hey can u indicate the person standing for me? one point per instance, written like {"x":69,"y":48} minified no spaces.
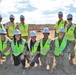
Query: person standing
{"x":70,"y":34}
{"x":10,"y":27}
{"x":60,"y":23}
{"x":23,"y":27}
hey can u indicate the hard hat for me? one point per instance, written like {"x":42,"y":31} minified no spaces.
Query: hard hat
{"x":11,"y":16}
{"x":3,"y":31}
{"x":69,"y":16}
{"x":22,"y":16}
{"x":17,"y":32}
{"x":0,"y":16}
{"x":32,"y":34}
{"x":61,"y":29}
{"x":60,"y":13}
{"x":46,"y":30}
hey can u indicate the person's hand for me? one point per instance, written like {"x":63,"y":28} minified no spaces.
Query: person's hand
{"x":22,"y":57}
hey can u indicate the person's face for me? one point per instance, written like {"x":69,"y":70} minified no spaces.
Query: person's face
{"x":22,"y":19}
{"x":46,"y":35}
{"x":12,"y":19}
{"x":3,"y":36}
{"x":69,"y":21}
{"x":17,"y":37}
{"x":0,"y":19}
{"x":60,"y":17}
{"x":61,"y":34}
{"x":33,"y":38}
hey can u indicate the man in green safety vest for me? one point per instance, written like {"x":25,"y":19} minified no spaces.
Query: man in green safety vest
{"x":45,"y":47}
{"x":5,"y":44}
{"x":71,"y":35}
{"x":59,"y":23}
{"x":23,"y":27}
{"x":1,"y":26}
{"x":10,"y":27}
{"x":60,"y":47}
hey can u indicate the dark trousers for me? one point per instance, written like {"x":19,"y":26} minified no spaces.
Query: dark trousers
{"x":17,"y":60}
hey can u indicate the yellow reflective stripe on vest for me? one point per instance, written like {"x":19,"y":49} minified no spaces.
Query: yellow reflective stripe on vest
{"x":60,"y":25}
{"x":34,"y":48}
{"x":11,"y":29}
{"x":44,"y":49}
{"x":70,"y":33}
{"x":23,"y":29}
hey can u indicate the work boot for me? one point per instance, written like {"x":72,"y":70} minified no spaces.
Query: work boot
{"x":66,"y":70}
{"x":51,"y":70}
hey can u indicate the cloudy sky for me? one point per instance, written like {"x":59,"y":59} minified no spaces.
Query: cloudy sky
{"x":37,"y":11}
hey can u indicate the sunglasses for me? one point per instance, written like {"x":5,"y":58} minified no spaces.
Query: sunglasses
{"x":69,"y":19}
{"x":2,"y":34}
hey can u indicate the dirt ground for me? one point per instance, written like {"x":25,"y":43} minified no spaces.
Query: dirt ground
{"x":8,"y":69}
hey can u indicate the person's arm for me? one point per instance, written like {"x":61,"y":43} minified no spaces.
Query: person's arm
{"x":8,"y":47}
{"x":6,"y":27}
{"x":75,"y":33}
{"x":25,"y":49}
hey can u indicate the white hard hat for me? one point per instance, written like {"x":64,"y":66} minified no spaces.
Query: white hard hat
{"x":3,"y":31}
{"x":60,"y":13}
{"x":69,"y":16}
{"x":22,"y":16}
{"x":46,"y":30}
{"x":17,"y":32}
{"x":11,"y":16}
{"x":32,"y":34}
{"x":61,"y":29}
{"x":0,"y":16}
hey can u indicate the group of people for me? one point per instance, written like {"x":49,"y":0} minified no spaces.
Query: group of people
{"x":52,"y":52}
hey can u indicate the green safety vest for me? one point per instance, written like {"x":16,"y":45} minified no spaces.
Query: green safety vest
{"x":59,"y":49}
{"x":61,"y":24}
{"x":70,"y":33}
{"x":23,"y":29}
{"x":1,"y":27}
{"x":34,"y":48}
{"x":18,"y":49}
{"x":44,"y":49}
{"x":11,"y":29}
{"x":4,"y":46}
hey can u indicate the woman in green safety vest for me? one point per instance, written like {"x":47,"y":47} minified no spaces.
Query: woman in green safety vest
{"x":71,"y":35}
{"x":45,"y":47}
{"x":60,"y":48}
{"x":18,"y":48}
{"x":5,"y":43}
{"x":32,"y":49}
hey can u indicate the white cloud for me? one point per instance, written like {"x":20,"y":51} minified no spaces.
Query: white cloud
{"x":36,"y":16}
